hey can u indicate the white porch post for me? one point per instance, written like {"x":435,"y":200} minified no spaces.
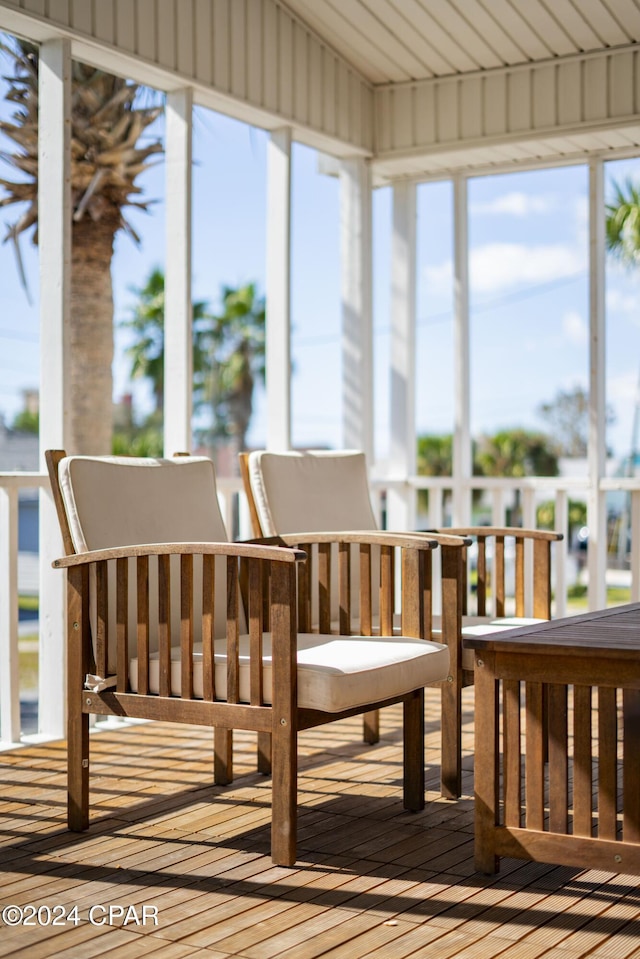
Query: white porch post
{"x":401,"y":504}
{"x":9,"y":674}
{"x":357,"y":322}
{"x":178,"y":352}
{"x":462,"y":429}
{"x":278,"y":313}
{"x":54,"y":241}
{"x":596,"y":506}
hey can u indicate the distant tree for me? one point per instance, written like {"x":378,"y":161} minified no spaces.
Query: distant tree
{"x":435,"y":455}
{"x":567,"y":416}
{"x":26,"y":421}
{"x":516,"y":453}
{"x":546,"y":515}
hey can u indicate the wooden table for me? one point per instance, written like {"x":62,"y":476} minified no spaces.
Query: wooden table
{"x":557,"y":742}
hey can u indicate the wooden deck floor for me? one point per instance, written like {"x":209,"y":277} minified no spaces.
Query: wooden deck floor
{"x":372,"y":880}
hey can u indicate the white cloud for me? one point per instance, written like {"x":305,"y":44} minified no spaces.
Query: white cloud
{"x":495,"y":267}
{"x":619,"y":302}
{"x":501,"y":266}
{"x":575,"y":328}
{"x":515,"y":204}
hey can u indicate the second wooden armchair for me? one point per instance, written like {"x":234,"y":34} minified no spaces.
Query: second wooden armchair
{"x":290,"y":493}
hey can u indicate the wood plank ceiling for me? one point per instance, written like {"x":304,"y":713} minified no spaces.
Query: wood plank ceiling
{"x":395,"y":41}
{"x":400,"y":44}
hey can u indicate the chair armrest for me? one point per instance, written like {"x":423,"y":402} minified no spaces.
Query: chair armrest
{"x":550,"y":536}
{"x":363,"y":537}
{"x":241,"y":550}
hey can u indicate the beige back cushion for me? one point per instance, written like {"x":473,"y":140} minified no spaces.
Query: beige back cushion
{"x":315,"y":492}
{"x":127,"y":501}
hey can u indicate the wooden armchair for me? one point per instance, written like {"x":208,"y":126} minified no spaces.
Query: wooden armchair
{"x":290,"y":492}
{"x":157,"y":628}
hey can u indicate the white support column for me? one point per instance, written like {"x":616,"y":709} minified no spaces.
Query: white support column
{"x":596,"y":506}
{"x":462,"y":465}
{"x":9,"y":675}
{"x":54,"y":242}
{"x":401,"y":507}
{"x":178,"y":316}
{"x":278,"y":334}
{"x":357,"y":310}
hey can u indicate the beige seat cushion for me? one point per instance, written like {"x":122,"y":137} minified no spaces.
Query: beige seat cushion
{"x":334,"y":672}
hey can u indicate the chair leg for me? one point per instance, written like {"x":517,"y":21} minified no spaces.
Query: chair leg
{"x":77,"y":766}
{"x":77,"y":721}
{"x":413,"y":716}
{"x":222,"y":756}
{"x":284,"y":796}
{"x":451,"y":758}
{"x":371,"y":727}
{"x":264,"y":753}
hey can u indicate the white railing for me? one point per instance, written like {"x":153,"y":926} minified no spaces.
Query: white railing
{"x":498,"y":495}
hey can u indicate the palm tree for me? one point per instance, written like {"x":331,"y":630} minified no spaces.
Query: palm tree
{"x":237,"y":348}
{"x":146,"y":353}
{"x":623,"y":223}
{"x":107,"y":121}
{"x":228,"y":354}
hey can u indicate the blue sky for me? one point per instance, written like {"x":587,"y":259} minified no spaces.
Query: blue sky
{"x":529,"y":286}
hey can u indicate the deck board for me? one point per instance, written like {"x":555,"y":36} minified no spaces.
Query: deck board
{"x":372,"y":880}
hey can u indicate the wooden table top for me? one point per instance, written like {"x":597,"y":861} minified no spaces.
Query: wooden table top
{"x":615,"y":630}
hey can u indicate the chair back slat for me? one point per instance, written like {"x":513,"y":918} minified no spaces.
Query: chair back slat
{"x":542,"y":579}
{"x":255,"y":616}
{"x":233,"y":631}
{"x":102,"y":617}
{"x":412,"y":594}
{"x":164,"y":625}
{"x":208,"y":618}
{"x":427,"y":595}
{"x":324,"y":587}
{"x":344,"y":588}
{"x":387,"y":590}
{"x":122,"y":625}
{"x":366,"y":605}
{"x":142,"y":631}
{"x":186,"y":626}
{"x":305,"y":579}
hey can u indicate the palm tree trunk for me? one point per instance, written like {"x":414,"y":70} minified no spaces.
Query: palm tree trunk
{"x":92,"y":334}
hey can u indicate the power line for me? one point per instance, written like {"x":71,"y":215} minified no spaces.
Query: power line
{"x":514,"y":297}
